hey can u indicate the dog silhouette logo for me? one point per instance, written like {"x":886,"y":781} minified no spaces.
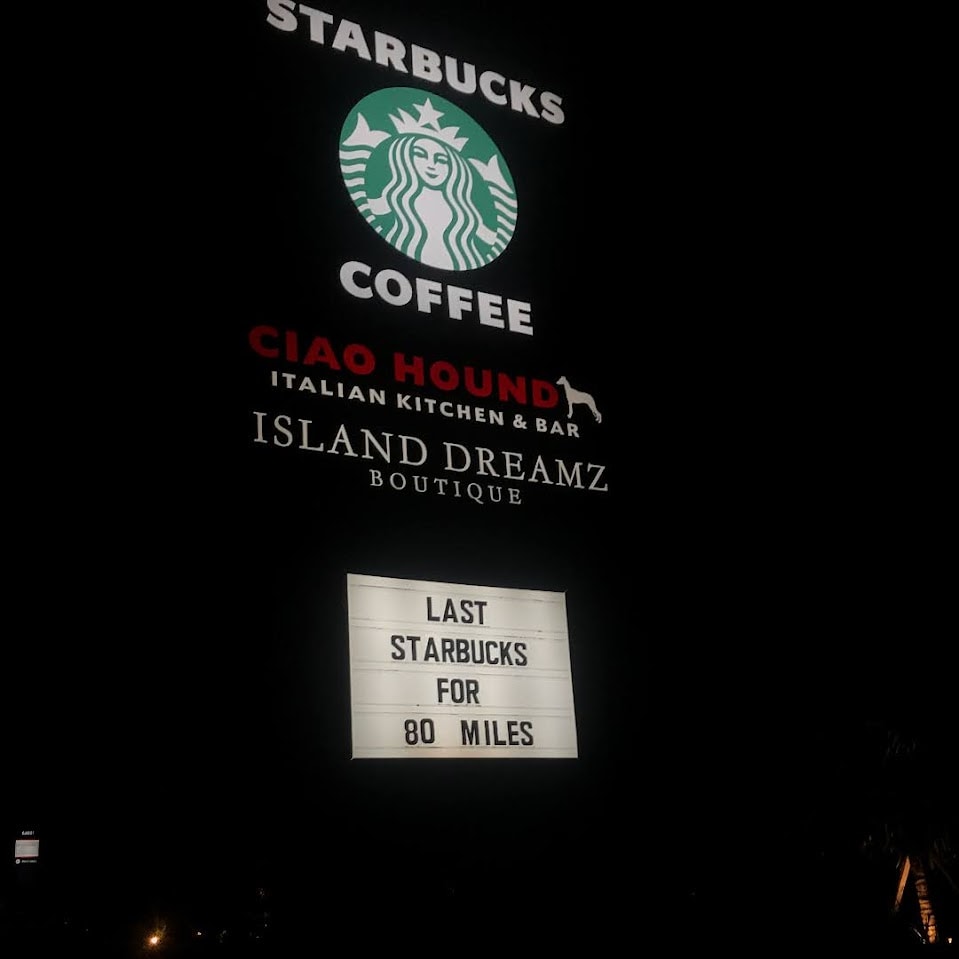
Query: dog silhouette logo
{"x":428,"y":179}
{"x":574,"y":396}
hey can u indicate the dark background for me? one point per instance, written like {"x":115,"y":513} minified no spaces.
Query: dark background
{"x":748,"y":608}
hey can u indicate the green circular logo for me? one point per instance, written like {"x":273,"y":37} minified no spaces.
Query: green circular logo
{"x":428,"y":179}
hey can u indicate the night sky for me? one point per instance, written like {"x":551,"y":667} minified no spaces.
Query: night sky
{"x":750,"y":613}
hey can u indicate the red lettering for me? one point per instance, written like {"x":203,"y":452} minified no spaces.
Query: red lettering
{"x":256,"y":337}
{"x":264,"y":341}
{"x":403,"y":367}
{"x":444,"y":376}
{"x":320,"y":351}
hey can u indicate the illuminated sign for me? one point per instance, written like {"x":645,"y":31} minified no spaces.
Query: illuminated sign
{"x":26,"y":848}
{"x":451,"y":671}
{"x":436,"y":177}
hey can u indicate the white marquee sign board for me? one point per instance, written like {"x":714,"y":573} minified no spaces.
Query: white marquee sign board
{"x":449,"y":671}
{"x":26,"y":848}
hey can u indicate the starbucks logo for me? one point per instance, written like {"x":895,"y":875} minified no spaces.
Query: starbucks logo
{"x":428,"y":179}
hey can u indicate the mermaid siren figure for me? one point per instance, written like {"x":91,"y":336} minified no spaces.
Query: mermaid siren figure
{"x":431,"y":203}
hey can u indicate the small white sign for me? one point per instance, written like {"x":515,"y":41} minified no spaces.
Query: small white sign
{"x":26,"y":849}
{"x":450,"y":671}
